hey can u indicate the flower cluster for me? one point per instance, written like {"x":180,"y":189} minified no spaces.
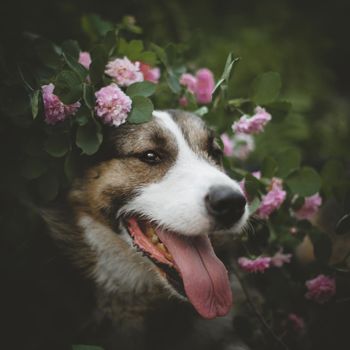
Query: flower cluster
{"x":200,"y":85}
{"x":254,"y":124}
{"x":320,"y":289}
{"x":54,"y":109}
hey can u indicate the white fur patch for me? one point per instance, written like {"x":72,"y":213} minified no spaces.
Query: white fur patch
{"x":119,"y":267}
{"x":177,"y":201}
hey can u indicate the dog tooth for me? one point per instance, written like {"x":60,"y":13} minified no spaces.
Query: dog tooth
{"x":150,"y":232}
{"x":161,"y":246}
{"x":154,"y":239}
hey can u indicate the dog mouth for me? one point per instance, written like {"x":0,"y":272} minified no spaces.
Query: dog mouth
{"x":188,"y":263}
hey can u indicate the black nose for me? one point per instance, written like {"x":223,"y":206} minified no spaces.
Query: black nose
{"x":225,"y":205}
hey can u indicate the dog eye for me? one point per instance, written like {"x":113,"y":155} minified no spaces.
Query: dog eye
{"x":150,"y":157}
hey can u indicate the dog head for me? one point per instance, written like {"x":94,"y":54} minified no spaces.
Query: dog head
{"x":148,"y":206}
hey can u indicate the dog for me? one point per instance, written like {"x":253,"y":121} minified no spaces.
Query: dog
{"x":137,"y":225}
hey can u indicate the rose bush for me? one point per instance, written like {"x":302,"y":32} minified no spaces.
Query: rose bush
{"x":71,"y":94}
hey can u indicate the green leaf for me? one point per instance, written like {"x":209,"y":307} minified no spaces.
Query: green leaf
{"x":68,"y":87}
{"x":48,"y":186}
{"x":304,"y":182}
{"x":252,"y":185}
{"x":173,"y":82}
{"x":266,"y":88}
{"x":99,"y":57}
{"x":298,"y":203}
{"x":73,"y":64}
{"x":269,"y":167}
{"x":142,"y":109}
{"x":254,"y":205}
{"x":148,"y":57}
{"x":322,"y":245}
{"x":71,"y":48}
{"x":32,"y":168}
{"x":225,"y":77}
{"x":86,"y":347}
{"x":160,"y":53}
{"x":89,"y":138}
{"x":279,"y":109}
{"x":95,"y":27}
{"x":343,"y":225}
{"x":202,"y":111}
{"x":88,"y":96}
{"x":57,"y":145}
{"x":288,"y":161}
{"x":34,"y":101}
{"x":144,"y":88}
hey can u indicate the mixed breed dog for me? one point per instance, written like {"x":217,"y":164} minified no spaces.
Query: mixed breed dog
{"x":138,"y":225}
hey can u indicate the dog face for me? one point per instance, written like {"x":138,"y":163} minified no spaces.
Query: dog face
{"x":147,"y":209}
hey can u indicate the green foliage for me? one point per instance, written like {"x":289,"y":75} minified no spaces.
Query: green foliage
{"x":68,"y":87}
{"x":144,"y":88}
{"x":142,"y":109}
{"x":304,"y":182}
{"x":89,"y":138}
{"x":266,"y":88}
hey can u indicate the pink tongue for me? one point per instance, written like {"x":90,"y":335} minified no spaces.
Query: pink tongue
{"x":204,"y":276}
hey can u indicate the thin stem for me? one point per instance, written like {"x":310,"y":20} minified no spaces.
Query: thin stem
{"x":258,"y":315}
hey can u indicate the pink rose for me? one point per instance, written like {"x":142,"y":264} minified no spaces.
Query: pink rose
{"x":85,"y":59}
{"x":149,"y":73}
{"x":112,"y":105}
{"x":309,"y":208}
{"x":54,"y":109}
{"x":205,"y":86}
{"x":228,"y":145}
{"x":272,"y":200}
{"x":189,"y":81}
{"x":254,"y":124}
{"x":124,"y":72}
{"x":254,"y":265}
{"x":320,"y":289}
{"x":279,"y":259}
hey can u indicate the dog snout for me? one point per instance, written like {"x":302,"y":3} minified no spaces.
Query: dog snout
{"x":225,"y":204}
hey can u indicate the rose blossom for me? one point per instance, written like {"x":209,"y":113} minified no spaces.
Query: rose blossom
{"x":239,"y":146}
{"x":254,"y":124}
{"x":189,"y":81}
{"x":228,"y":144}
{"x":279,"y":259}
{"x":85,"y":59}
{"x":124,"y":72}
{"x":309,"y":208}
{"x":183,"y":101}
{"x":205,"y":86}
{"x":54,"y":109}
{"x":320,"y":289}
{"x":149,"y":73}
{"x":112,"y":105}
{"x":259,"y":264}
{"x":296,"y":322}
{"x":272,"y":200}
{"x":243,"y":145}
